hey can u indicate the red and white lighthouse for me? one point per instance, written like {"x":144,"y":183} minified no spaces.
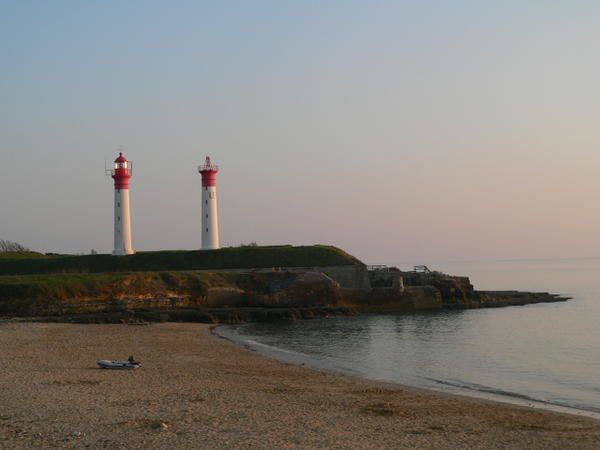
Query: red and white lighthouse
{"x":210,"y":219}
{"x":121,"y":173}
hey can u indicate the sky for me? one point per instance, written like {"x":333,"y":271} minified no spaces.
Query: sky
{"x":400,"y":131}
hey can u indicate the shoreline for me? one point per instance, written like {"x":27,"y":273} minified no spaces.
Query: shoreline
{"x":196,"y":390}
{"x":282,"y":355}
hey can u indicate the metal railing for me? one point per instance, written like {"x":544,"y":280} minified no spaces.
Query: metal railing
{"x":207,"y":167}
{"x":111,"y":172}
{"x":380,"y":267}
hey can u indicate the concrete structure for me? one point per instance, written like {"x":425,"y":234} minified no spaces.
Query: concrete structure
{"x":210,"y":218}
{"x":121,"y":173}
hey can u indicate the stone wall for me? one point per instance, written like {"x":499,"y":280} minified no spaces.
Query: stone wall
{"x":350,"y":277}
{"x":424,"y":297}
{"x":387,"y":279}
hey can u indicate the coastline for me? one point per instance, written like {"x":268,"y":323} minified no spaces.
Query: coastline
{"x":452,"y":390}
{"x":195,"y":390}
{"x":442,"y":388}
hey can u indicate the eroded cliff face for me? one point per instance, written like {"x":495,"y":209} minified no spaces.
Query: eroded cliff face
{"x":30,"y":296}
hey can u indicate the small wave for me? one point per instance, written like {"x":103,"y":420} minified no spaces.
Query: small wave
{"x":508,"y":394}
{"x":253,"y":343}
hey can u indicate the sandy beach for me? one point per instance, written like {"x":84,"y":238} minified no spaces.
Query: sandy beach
{"x":198,"y":391}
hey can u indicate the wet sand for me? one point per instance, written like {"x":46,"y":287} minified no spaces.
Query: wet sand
{"x":198,"y":391}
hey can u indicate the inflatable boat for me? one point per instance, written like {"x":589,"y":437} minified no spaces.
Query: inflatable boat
{"x":108,"y":364}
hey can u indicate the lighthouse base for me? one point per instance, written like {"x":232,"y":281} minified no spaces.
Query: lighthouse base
{"x":122,"y":252}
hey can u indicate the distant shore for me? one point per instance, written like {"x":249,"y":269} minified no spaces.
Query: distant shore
{"x":195,"y":390}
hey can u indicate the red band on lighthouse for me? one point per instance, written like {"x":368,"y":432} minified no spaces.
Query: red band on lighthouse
{"x":122,"y":172}
{"x":209,"y":173}
{"x":209,"y":177}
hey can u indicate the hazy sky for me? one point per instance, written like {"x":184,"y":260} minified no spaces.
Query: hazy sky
{"x":400,"y":131}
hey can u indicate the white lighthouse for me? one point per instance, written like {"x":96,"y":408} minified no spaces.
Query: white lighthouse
{"x":121,"y":173}
{"x":210,"y":218}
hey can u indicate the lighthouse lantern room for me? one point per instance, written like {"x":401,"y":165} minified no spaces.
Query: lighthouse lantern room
{"x":122,"y":173}
{"x":210,"y":220}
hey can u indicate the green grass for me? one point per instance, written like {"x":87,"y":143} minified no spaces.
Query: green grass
{"x":246,"y":257}
{"x":23,"y":255}
{"x":77,"y":286}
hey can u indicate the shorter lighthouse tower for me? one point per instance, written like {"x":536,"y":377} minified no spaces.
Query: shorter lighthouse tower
{"x":210,"y":219}
{"x":121,"y":173}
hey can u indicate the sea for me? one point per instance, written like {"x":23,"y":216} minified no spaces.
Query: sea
{"x":544,"y":355}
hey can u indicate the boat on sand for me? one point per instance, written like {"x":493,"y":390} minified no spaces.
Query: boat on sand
{"x":116,"y":364}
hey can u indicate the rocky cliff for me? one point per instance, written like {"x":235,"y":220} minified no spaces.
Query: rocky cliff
{"x":239,"y":296}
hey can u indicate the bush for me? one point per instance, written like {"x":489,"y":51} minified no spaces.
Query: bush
{"x":10,"y":246}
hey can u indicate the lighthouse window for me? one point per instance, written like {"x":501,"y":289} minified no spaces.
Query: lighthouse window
{"x":206,"y":202}
{"x":118,"y":204}
{"x":207,"y":230}
{"x":207,"y":216}
{"x":118,"y":218}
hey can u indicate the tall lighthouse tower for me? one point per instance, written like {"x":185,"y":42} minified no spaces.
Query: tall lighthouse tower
{"x":121,"y":173}
{"x":210,"y":219}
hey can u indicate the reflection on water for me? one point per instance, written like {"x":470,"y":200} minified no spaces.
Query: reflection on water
{"x":548,"y":352}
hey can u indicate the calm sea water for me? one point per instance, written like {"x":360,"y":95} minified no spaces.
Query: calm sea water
{"x":544,"y":355}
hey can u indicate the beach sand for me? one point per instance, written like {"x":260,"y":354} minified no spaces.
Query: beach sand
{"x":198,"y":391}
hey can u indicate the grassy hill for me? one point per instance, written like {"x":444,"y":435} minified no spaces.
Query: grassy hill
{"x":227,"y":258}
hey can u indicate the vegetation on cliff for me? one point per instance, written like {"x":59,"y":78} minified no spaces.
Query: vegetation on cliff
{"x":246,"y":257}
{"x":34,"y":284}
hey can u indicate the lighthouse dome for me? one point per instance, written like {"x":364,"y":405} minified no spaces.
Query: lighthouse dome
{"x":120,"y":158}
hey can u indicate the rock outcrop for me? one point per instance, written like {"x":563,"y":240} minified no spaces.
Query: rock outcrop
{"x":495,"y":299}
